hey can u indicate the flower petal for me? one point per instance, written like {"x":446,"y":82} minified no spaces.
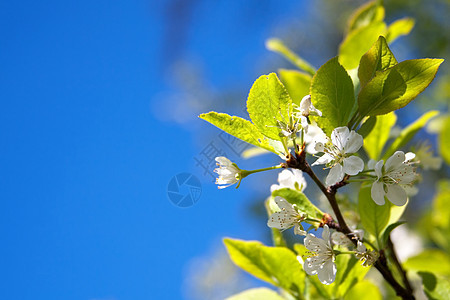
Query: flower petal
{"x":379,"y":169}
{"x":327,"y":272}
{"x":361,"y":248}
{"x":326,"y":233}
{"x":309,"y":268}
{"x":286,"y":179}
{"x":324,"y":159}
{"x":314,"y":244}
{"x":396,"y":194}
{"x":280,"y":220}
{"x":275,"y":187}
{"x":336,"y":174}
{"x":353,"y":165}
{"x":283,"y":204}
{"x":339,"y":136}
{"x":298,"y":230}
{"x":377,"y":193}
{"x":223,"y":161}
{"x":409,"y":156}
{"x":299,"y":178}
{"x":353,"y":142}
{"x":394,"y":161}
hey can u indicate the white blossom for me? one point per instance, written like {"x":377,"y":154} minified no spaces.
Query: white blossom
{"x":339,"y":238}
{"x":368,"y":257}
{"x":321,"y":262}
{"x":425,"y":157}
{"x":292,"y":179}
{"x":306,"y":109}
{"x":315,"y":135}
{"x":338,"y":154}
{"x":287,"y":217}
{"x":228,"y":172}
{"x":397,"y":171}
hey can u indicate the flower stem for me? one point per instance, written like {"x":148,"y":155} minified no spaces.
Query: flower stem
{"x":245,"y":173}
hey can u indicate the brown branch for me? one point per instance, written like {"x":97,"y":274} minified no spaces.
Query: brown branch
{"x":397,"y":263}
{"x":299,"y":162}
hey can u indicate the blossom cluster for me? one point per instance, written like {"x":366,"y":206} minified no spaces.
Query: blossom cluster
{"x":390,"y":180}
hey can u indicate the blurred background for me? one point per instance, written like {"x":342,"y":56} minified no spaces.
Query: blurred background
{"x":99,"y":106}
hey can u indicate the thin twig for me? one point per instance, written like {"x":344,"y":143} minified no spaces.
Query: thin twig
{"x":299,"y":162}
{"x":398,"y":265}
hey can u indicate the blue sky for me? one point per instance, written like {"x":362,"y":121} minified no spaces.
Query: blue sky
{"x":95,"y":121}
{"x":85,"y":161}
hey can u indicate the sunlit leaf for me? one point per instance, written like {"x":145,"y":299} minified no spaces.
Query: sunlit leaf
{"x":375,"y":141}
{"x":436,"y":287}
{"x":444,"y":141}
{"x":378,"y":58}
{"x":238,"y":127}
{"x":276,"y":265}
{"x":296,"y":83}
{"x":299,"y":199}
{"x":409,"y":132}
{"x":399,"y":28}
{"x":364,"y":290}
{"x":278,"y":46}
{"x":269,"y":102}
{"x":332,"y":93}
{"x":373,"y":217}
{"x":370,"y":12}
{"x":431,"y":260}
{"x":394,"y":88}
{"x":357,"y":42}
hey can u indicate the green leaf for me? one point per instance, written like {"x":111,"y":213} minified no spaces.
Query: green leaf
{"x":399,"y":28}
{"x":409,"y":132}
{"x":352,"y":272}
{"x":276,"y":265}
{"x":364,"y":290}
{"x":378,"y":58}
{"x":373,"y":217}
{"x":432,"y":260}
{"x":375,"y":141}
{"x":367,"y":127}
{"x":441,"y":204}
{"x":247,"y":255}
{"x":299,"y":199}
{"x":296,"y":83}
{"x":444,"y":141}
{"x":253,"y":152}
{"x":436,"y":287}
{"x":435,"y":224}
{"x":278,"y":46}
{"x":257,"y":294}
{"x":396,"y":212}
{"x":240,"y":128}
{"x":370,"y":12}
{"x":394,"y":88}
{"x":332,"y":93}
{"x":389,"y":229}
{"x":357,"y":42}
{"x":268,"y":102}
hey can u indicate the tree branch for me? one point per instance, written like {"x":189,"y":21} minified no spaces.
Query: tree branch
{"x":299,"y":162}
{"x":398,"y":265}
